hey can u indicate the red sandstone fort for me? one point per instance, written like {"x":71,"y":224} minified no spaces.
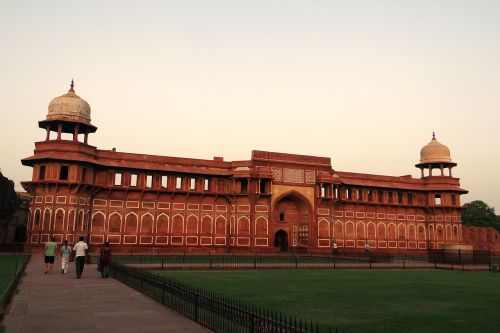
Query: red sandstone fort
{"x":272,"y":202}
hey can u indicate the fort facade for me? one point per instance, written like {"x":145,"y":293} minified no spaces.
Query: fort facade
{"x":271,"y":202}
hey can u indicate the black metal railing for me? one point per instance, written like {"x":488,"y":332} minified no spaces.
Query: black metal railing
{"x":212,"y":310}
{"x":464,"y":260}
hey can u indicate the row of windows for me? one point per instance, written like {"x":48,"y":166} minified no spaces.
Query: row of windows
{"x":193,"y":183}
{"x":379,"y":196}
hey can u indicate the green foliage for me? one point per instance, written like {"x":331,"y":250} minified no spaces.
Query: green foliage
{"x":366,"y":300}
{"x":9,"y":266}
{"x":478,"y":213}
{"x":9,"y":202}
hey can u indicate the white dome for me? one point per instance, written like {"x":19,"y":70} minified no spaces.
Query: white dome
{"x":69,"y":107}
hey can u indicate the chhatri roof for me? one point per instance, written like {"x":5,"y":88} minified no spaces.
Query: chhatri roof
{"x":435,"y":152}
{"x":69,"y":107}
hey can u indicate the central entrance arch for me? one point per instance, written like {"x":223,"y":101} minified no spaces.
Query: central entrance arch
{"x":292,"y":216}
{"x":281,"y":240}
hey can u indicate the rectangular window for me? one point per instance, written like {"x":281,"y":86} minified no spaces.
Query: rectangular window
{"x":84,"y":175}
{"x":164,"y":181}
{"x":63,"y":173}
{"x":349,"y":194}
{"x":262,"y":186}
{"x":118,"y":178}
{"x":192,"y":184}
{"x":400,"y":198}
{"x":410,"y":198}
{"x":149,"y":181}
{"x":360,"y":195}
{"x":370,"y":195}
{"x":133,"y":179}
{"x":206,"y":184}
{"x":178,"y":183}
{"x":453,"y":199}
{"x":391,"y":197}
{"x":437,"y":199}
{"x":41,"y":176}
{"x":323,"y":192}
{"x":282,"y":217}
{"x":244,"y":186}
{"x":336,"y":192}
{"x":380,"y":196}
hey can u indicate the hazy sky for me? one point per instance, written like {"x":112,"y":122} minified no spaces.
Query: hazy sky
{"x":362,"y":82}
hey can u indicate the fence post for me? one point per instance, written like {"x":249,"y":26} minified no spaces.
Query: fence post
{"x":404,"y":262}
{"x":370,"y":260}
{"x":210,"y":261}
{"x":296,"y":265}
{"x":196,"y":305}
{"x":255,"y":261}
{"x":163,"y":293}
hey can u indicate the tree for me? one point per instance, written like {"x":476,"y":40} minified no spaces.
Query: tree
{"x":478,"y":213}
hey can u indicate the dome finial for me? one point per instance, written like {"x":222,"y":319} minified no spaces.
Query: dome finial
{"x":433,"y":135}
{"x":72,"y":85}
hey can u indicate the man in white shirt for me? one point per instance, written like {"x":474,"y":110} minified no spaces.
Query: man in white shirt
{"x":80,"y":248}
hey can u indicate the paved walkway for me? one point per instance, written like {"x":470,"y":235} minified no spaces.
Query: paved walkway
{"x":61,"y":303}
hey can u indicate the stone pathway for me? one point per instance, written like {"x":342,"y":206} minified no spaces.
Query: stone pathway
{"x":61,"y":303}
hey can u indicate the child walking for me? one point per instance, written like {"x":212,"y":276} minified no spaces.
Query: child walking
{"x":65,"y":254}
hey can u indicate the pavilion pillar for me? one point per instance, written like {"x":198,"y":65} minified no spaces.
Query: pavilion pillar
{"x":75,"y":133}
{"x":59,"y":131}
{"x":47,"y":138}
{"x":85,"y":140}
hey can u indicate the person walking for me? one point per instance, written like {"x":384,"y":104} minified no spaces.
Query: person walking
{"x":367,"y":248}
{"x":105,"y":260}
{"x":80,"y":252}
{"x":65,"y":255}
{"x":335,"y":248}
{"x":49,"y":255}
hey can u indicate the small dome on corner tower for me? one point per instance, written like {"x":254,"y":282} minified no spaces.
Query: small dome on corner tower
{"x":435,"y":152}
{"x":69,"y":107}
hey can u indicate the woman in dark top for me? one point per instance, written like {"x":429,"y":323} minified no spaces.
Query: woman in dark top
{"x":105,"y":260}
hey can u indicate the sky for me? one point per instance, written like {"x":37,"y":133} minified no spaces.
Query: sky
{"x":362,"y":82}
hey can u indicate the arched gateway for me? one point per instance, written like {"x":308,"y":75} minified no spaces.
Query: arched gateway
{"x":292,"y":216}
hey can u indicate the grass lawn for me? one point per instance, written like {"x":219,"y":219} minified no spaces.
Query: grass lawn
{"x":8,"y":264}
{"x":366,"y":300}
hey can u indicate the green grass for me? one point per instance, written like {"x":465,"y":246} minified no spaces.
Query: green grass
{"x":8,"y":266}
{"x":366,"y":300}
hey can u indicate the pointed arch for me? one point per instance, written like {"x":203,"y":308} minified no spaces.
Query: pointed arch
{"x":98,"y":219}
{"x":421,"y":232}
{"x":131,"y":223}
{"x":162,"y":222}
{"x":323,"y":228}
{"x":448,"y":232}
{"x":115,"y":222}
{"x":243,"y":226}
{"x":370,"y":231}
{"x":411,"y":232}
{"x":59,"y":219}
{"x":192,"y":224}
{"x":47,"y":217}
{"x":391,"y":231}
{"x":338,"y":230}
{"x":261,"y":225}
{"x":381,"y":231}
{"x":177,"y":224}
{"x":220,"y":225}
{"x":439,"y":232}
{"x":349,"y":230}
{"x":37,"y":217}
{"x":70,"y":225}
{"x":206,"y":225}
{"x":147,"y":223}
{"x":80,"y":220}
{"x":360,"y":230}
{"x":402,"y":231}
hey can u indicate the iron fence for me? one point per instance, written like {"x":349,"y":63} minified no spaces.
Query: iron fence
{"x":212,"y":310}
{"x":463,"y":260}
